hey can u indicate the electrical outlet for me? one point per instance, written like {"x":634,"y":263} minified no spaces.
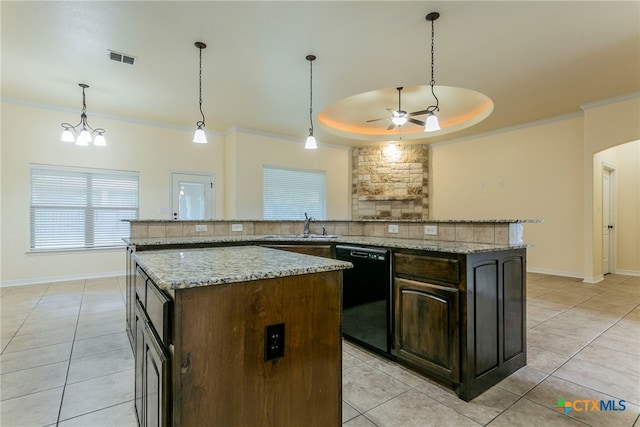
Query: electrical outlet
{"x":201,"y":227}
{"x":236,"y":227}
{"x":273,"y":342}
{"x":393,"y":228}
{"x":431,"y":230}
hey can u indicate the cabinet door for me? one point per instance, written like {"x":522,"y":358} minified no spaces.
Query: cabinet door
{"x":155,"y":381}
{"x":426,"y":327}
{"x":139,"y":362}
{"x":130,"y":293}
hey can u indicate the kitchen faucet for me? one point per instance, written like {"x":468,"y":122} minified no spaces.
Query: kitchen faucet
{"x":307,"y":222}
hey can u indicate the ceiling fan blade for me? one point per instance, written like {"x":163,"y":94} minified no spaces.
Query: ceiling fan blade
{"x":418,"y":113}
{"x":416,"y":122}
{"x":375,"y":120}
{"x":391,"y":126}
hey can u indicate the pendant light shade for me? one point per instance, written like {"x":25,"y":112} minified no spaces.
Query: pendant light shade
{"x":199,"y":137}
{"x":431,"y":123}
{"x":82,"y":129}
{"x":311,"y":144}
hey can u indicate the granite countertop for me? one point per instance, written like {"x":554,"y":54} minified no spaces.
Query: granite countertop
{"x":188,"y":268}
{"x":385,"y":242}
{"x":434,"y":221}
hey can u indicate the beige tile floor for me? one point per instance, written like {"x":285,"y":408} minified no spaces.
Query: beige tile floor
{"x":66,"y":362}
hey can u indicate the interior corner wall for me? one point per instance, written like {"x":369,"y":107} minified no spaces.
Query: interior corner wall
{"x":528,"y":173}
{"x":151,"y":150}
{"x":253,"y":151}
{"x":606,"y":125}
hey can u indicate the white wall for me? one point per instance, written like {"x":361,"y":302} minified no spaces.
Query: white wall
{"x":153,"y":151}
{"x":529,"y":173}
{"x":253,"y":150}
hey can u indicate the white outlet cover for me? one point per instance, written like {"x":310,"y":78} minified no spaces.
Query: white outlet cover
{"x":201,"y":227}
{"x":236,"y":227}
{"x":393,"y":228}
{"x":431,"y":230}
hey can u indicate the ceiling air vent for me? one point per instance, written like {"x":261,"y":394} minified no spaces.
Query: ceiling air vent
{"x":121,"y":57}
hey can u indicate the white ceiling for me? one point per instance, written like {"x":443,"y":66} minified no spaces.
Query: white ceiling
{"x":535,"y":60}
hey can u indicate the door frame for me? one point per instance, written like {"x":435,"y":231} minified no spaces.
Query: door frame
{"x":609,"y":169}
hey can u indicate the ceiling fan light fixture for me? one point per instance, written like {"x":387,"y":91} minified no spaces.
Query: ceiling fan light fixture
{"x":431,"y":124}
{"x":399,"y":118}
{"x":199,"y":137}
{"x":82,"y":129}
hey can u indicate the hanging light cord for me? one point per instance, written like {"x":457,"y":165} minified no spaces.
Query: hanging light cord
{"x":311,"y":95}
{"x":83,"y":117}
{"x":200,"y":124}
{"x":433,"y":81}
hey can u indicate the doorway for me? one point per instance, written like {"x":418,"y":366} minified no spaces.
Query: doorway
{"x":192,"y":196}
{"x":608,"y":219}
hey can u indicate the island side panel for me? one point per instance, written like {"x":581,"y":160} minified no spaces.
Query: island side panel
{"x":221,"y":377}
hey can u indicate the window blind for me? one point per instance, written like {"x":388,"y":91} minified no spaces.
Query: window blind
{"x":73,"y":208}
{"x":289,"y":193}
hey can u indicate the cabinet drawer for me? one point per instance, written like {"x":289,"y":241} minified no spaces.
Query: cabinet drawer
{"x":158,"y":309}
{"x":141,"y":286}
{"x":427,"y":268}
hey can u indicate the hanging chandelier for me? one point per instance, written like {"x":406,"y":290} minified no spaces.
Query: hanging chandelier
{"x":311,"y":144}
{"x":199,"y":136}
{"x":431,"y":122}
{"x":82,"y":133}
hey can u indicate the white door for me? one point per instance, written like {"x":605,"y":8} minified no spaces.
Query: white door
{"x":192,"y":196}
{"x":607,"y":220}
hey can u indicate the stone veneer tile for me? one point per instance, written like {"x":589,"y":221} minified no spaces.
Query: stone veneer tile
{"x":447,"y":232}
{"x":501,"y":233}
{"x":416,"y":231}
{"x":156,"y":230}
{"x":173,"y":230}
{"x":261,"y":228}
{"x":356,"y":229}
{"x":483,"y":233}
{"x":221,"y":229}
{"x":139,"y":231}
{"x":464,"y":232}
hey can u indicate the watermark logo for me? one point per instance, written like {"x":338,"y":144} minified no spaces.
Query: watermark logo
{"x":585,"y":405}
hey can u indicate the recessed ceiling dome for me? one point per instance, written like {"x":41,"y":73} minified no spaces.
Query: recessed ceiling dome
{"x":356,"y":116}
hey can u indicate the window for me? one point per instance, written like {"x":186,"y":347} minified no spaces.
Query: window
{"x":289,"y":193}
{"x":74,"y":208}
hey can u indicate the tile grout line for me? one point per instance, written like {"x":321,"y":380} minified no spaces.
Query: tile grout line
{"x":73,"y":343}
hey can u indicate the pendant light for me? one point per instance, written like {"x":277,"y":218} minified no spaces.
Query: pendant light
{"x":431,"y":123}
{"x":85,"y":132}
{"x":199,"y":136}
{"x":311,"y":144}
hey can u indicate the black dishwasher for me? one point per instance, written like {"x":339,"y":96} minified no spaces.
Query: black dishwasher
{"x":366,"y":298}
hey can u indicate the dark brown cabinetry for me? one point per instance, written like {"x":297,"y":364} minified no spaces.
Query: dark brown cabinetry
{"x":459,"y":318}
{"x":151,"y":389}
{"x":325,"y":251}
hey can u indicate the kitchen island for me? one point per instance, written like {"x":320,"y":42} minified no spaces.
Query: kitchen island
{"x":246,"y":336}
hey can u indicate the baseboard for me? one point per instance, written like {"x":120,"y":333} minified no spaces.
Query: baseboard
{"x":595,"y":279}
{"x":555,"y":272}
{"x":41,"y":280}
{"x":628,"y":272}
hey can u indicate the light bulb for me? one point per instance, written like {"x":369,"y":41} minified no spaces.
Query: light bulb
{"x":100,"y":141}
{"x":67,"y":136}
{"x":399,"y":118}
{"x":311,"y":143}
{"x":200,"y":137}
{"x":84,"y":138}
{"x":431,"y":124}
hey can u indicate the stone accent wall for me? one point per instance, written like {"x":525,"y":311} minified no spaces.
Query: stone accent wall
{"x":390,"y":182}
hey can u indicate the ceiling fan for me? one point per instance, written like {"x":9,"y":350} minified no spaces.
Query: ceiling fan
{"x":400,"y":117}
